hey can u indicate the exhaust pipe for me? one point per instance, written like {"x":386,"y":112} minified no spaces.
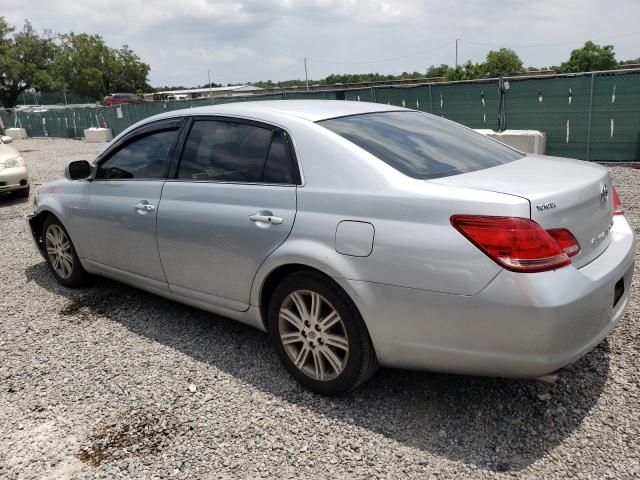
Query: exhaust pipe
{"x":549,"y":378}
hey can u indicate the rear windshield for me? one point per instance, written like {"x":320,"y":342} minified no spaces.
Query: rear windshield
{"x":419,"y":145}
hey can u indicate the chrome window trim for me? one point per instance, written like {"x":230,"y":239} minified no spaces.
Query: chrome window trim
{"x":227,"y":182}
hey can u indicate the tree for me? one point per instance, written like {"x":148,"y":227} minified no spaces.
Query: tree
{"x":25,"y":60}
{"x":130,"y":73}
{"x":502,"y":62}
{"x":466,"y":71}
{"x":588,"y":58}
{"x":632,"y":61}
{"x":442,"y":71}
{"x":86,"y":66}
{"x":78,"y":64}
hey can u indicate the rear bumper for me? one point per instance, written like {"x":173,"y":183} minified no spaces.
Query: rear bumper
{"x":13,"y":179}
{"x":520,"y":325}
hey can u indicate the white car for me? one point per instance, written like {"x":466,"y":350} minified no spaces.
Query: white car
{"x":14,"y":177}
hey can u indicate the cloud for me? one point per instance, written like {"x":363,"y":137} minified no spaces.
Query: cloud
{"x":250,"y":40}
{"x":224,"y":54}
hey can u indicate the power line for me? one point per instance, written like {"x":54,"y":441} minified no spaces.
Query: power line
{"x":437,"y":47}
{"x":547,"y":44}
{"x":448,"y":43}
{"x":282,"y":70}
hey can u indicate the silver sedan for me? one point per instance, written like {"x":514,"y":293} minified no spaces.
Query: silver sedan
{"x":356,"y":234}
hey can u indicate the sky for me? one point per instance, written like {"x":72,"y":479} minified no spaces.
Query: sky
{"x":251,"y":40}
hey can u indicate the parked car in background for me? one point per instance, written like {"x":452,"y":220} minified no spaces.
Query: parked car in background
{"x":356,"y":234}
{"x":177,"y":97}
{"x":14,"y":177}
{"x":122,"y":99}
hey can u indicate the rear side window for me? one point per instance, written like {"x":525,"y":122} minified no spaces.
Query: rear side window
{"x":421,"y":146}
{"x":235,"y":152}
{"x":144,"y":157}
{"x":278,"y":167}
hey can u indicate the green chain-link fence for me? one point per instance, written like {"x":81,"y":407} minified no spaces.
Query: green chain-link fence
{"x":64,"y":122}
{"x":326,"y":95}
{"x":358,"y":95}
{"x":592,"y":116}
{"x":474,"y":104}
{"x":615,"y":118}
{"x":586,"y":116}
{"x":559,"y":107}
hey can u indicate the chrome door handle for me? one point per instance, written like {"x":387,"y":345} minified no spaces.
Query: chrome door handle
{"x":265,"y":217}
{"x":144,"y":207}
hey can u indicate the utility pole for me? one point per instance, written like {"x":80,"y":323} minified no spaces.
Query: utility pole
{"x":457,"y":40}
{"x":306,"y":75}
{"x":210,"y":92}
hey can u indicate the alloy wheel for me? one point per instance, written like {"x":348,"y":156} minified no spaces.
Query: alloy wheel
{"x":313,"y":335}
{"x":59,"y":251}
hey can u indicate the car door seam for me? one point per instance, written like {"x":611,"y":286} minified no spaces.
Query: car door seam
{"x":293,"y":221}
{"x":156,"y":237}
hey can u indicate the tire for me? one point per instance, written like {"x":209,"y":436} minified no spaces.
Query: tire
{"x":56,"y":240}
{"x":333,"y":356}
{"x":22,"y":193}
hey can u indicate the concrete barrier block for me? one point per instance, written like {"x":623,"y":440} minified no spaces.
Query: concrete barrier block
{"x":98,"y":135}
{"x":528,"y":141}
{"x":16,"y":133}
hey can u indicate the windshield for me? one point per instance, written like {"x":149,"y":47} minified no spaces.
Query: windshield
{"x":421,"y":146}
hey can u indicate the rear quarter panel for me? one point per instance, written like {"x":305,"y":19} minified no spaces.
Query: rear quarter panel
{"x":414,"y":243}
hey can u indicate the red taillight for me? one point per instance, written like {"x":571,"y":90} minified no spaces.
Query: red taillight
{"x":565,"y":240}
{"x":617,"y":204}
{"x":517,"y":244}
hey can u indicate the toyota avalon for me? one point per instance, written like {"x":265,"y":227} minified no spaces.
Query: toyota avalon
{"x":355,"y":234}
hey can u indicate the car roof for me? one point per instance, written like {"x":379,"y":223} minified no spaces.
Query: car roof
{"x":312,"y":110}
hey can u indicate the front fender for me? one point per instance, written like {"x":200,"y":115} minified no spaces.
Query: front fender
{"x":63,"y":198}
{"x":35,"y":222}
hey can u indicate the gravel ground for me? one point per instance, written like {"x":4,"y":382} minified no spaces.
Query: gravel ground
{"x":111,"y":382}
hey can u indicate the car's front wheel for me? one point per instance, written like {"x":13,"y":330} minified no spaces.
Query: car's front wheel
{"x":61,"y":254}
{"x":319,"y":334}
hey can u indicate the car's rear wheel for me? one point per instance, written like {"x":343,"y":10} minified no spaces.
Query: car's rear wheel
{"x":319,"y":334}
{"x":61,"y":254}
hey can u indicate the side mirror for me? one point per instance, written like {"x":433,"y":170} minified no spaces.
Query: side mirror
{"x":6,"y":139}
{"x":77,"y":170}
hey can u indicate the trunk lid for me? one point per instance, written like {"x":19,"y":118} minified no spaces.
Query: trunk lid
{"x":563,"y":193}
